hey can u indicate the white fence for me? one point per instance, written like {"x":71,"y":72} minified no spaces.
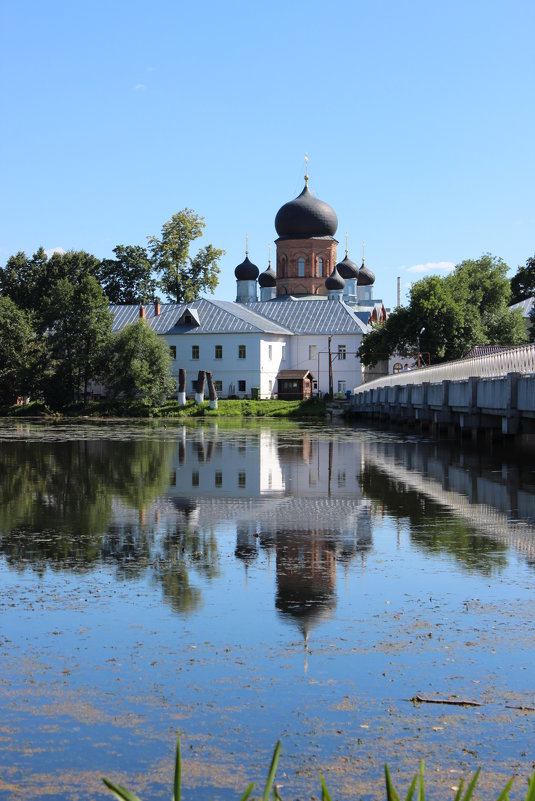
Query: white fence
{"x":520,"y":359}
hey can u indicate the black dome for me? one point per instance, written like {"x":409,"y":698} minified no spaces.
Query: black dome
{"x":246,"y":271}
{"x":306,"y":216}
{"x":347,"y":268}
{"x":335,"y":280}
{"x":366,"y":277}
{"x":268,"y":277}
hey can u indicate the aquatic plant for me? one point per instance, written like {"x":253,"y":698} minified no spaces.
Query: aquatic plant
{"x":416,"y":789}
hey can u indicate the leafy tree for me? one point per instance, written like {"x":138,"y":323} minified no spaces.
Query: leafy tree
{"x":466,"y":308}
{"x":18,"y":352}
{"x":183,"y":276}
{"x":80,"y":325}
{"x":138,"y":365}
{"x":523,"y":283}
{"x":128,"y":278}
{"x":23,"y":279}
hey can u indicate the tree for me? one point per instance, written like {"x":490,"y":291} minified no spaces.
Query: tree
{"x":183,"y":276}
{"x":80,"y":326}
{"x":138,"y":365}
{"x":18,"y":352}
{"x":128,"y":278}
{"x":23,"y":279}
{"x":523,"y":283}
{"x":466,"y":308}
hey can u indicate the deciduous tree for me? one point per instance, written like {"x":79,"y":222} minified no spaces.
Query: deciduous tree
{"x":523,"y":283}
{"x":128,"y":278}
{"x":183,"y":277}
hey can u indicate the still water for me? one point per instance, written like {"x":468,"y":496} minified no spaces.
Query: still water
{"x":245,"y":584}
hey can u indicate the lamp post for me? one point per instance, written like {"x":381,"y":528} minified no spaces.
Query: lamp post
{"x":418,"y":344}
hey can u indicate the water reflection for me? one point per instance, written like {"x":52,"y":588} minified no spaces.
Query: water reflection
{"x":154,"y":506}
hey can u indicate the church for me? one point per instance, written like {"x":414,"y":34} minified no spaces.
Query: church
{"x":292,"y":332}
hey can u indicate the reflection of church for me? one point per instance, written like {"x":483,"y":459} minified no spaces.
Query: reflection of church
{"x":297,"y":499}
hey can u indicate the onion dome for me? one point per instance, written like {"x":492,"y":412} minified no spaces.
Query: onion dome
{"x":335,"y":280}
{"x":268,"y":278}
{"x":306,"y":216}
{"x":366,"y":277}
{"x":347,"y":268}
{"x":246,"y":271}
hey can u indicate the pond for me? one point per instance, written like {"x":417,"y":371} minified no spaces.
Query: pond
{"x":240,"y":583}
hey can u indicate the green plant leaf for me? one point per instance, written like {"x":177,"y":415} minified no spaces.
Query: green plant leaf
{"x":391,"y":794}
{"x":120,"y":792}
{"x":421,"y":790}
{"x":325,"y":794}
{"x":531,"y":789}
{"x":248,"y":792}
{"x":272,"y":769}
{"x":276,"y":795}
{"x":471,"y":787}
{"x":412,"y":787}
{"x":459,"y":793}
{"x":504,"y":795}
{"x":178,"y":772}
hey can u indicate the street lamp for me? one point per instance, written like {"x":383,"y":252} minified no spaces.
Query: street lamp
{"x":418,"y":344}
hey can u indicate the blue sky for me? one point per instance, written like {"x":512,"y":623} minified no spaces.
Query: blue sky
{"x":418,"y":119}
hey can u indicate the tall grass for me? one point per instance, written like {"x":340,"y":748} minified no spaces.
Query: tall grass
{"x":416,"y":791}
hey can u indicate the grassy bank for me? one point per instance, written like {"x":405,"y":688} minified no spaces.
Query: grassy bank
{"x":298,"y":410}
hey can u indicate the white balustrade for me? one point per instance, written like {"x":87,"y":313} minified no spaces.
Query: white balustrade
{"x":519,"y":359}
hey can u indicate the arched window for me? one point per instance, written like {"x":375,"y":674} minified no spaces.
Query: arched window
{"x":320,"y":267}
{"x":283,"y":267}
{"x":300,"y":267}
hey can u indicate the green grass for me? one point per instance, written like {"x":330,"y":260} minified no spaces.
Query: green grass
{"x":415,"y":792}
{"x":298,"y":410}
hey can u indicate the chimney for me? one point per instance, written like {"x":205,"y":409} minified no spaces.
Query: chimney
{"x":142,"y":312}
{"x":157,"y":308}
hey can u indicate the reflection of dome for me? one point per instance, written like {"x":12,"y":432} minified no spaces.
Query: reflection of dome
{"x":306,"y":216}
{"x":246,"y":271}
{"x":268,"y":278}
{"x":335,"y":280}
{"x":366,"y":277}
{"x":347,"y":268}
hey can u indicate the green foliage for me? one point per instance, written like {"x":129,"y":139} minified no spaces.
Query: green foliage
{"x":138,"y":366}
{"x":183,"y":277}
{"x":270,"y":788}
{"x":128,"y":278}
{"x":19,"y":352}
{"x":523,"y":282}
{"x":246,"y":408}
{"x":79,"y":331}
{"x":466,"y":308}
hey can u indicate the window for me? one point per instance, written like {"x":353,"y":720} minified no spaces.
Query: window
{"x":398,"y":367}
{"x":194,"y":351}
{"x":300,"y":267}
{"x":320,"y":267}
{"x":341,"y":478}
{"x":312,"y":352}
{"x":172,"y":351}
{"x":188,"y":319}
{"x":241,"y":351}
{"x":341,"y":352}
{"x":270,"y":352}
{"x":241,"y":480}
{"x":341,"y":386}
{"x":219,"y":351}
{"x":283,"y":353}
{"x":195,"y":478}
{"x":242,"y":386}
{"x":218,"y":386}
{"x":219,"y":479}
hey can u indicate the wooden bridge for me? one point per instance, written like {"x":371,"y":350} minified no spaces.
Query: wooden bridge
{"x":492,"y":393}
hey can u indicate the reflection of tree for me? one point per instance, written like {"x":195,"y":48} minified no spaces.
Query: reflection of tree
{"x":56,"y":498}
{"x":432,"y":528}
{"x":185,"y":549}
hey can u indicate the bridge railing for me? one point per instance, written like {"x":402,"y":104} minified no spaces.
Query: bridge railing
{"x":518,"y":359}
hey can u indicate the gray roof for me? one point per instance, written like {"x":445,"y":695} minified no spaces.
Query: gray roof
{"x":279,"y":316}
{"x":312,"y":316}
{"x":525,"y":306}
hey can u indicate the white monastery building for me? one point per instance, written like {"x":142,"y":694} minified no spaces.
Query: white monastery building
{"x":286,"y":326}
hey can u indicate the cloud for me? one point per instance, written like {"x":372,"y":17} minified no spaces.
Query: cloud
{"x":431,"y":267}
{"x":140,"y":86}
{"x":50,"y":251}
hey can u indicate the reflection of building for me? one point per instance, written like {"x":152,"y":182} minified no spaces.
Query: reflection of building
{"x":311,"y":310}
